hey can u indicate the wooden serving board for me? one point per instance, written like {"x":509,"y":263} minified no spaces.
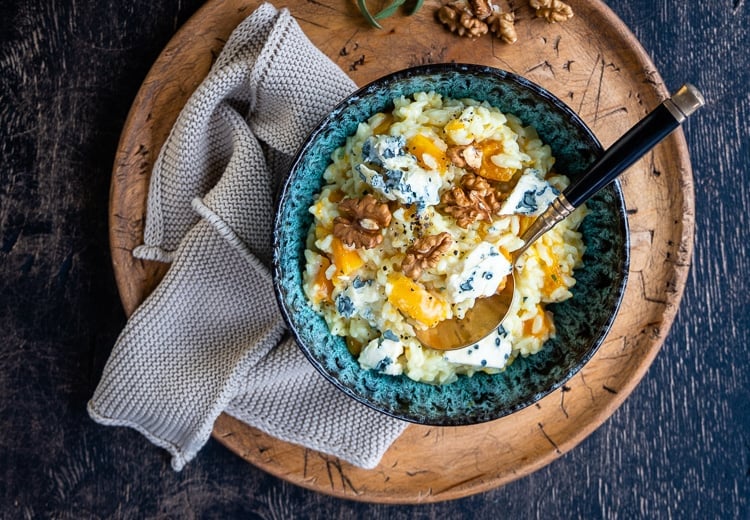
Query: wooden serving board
{"x":593,"y":63}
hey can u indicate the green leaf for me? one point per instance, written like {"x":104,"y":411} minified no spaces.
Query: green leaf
{"x":366,"y":13}
{"x":388,"y":11}
{"x":417,"y":6}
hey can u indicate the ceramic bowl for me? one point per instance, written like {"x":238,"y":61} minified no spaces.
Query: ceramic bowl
{"x":582,"y":322}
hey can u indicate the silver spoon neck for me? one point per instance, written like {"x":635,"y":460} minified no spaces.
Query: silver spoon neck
{"x":555,"y":212}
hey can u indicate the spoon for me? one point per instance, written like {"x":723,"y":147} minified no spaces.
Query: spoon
{"x":488,"y":313}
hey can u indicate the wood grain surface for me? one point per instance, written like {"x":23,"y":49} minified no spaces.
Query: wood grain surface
{"x":677,"y":447}
{"x":593,"y":63}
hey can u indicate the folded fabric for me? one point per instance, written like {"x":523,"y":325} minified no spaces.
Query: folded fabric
{"x":210,"y":338}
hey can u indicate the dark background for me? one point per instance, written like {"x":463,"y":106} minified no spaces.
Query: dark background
{"x":678,"y":448}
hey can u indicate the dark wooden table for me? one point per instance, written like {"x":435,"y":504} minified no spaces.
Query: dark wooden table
{"x":678,"y":448}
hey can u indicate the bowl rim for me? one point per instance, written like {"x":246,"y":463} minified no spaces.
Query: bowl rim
{"x":425,"y":70}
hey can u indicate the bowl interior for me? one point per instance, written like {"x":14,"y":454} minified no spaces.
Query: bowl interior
{"x":582,"y":321}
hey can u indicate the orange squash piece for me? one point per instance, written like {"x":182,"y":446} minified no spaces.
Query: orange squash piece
{"x":415,"y":301}
{"x":553,"y":279}
{"x":547,"y":326}
{"x":322,"y":286}
{"x":346,"y":260}
{"x":490,"y":170}
{"x":420,"y":145}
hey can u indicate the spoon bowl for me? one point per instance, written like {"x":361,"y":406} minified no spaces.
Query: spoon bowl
{"x":477,"y":324}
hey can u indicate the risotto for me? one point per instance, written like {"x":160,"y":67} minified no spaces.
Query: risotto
{"x":419,"y":215}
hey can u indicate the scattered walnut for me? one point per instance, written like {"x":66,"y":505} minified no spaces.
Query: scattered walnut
{"x":459,"y":18}
{"x":466,"y":156}
{"x":361,"y":221}
{"x":455,"y":156}
{"x":425,"y":253}
{"x":474,"y":200}
{"x":473,"y":157}
{"x":503,"y":25}
{"x":474,"y":18}
{"x":481,"y":8}
{"x":461,"y":207}
{"x":477,"y":183}
{"x":552,"y":10}
{"x":483,"y":188}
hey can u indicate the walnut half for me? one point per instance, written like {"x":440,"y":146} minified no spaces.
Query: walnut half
{"x":459,"y":18}
{"x":552,"y":10}
{"x":466,"y":156}
{"x":481,"y":8}
{"x":425,"y":253}
{"x":475,"y":200}
{"x":503,"y":25}
{"x":361,"y":221}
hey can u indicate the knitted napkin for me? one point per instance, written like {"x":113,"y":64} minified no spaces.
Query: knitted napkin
{"x":210,"y":338}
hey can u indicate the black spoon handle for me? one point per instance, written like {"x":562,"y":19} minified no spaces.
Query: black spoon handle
{"x":629,"y":148}
{"x":646,"y":134}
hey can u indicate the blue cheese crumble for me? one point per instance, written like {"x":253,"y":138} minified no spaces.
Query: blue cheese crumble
{"x":396,"y":174}
{"x":531,"y":196}
{"x":357,"y":299}
{"x":381,"y":354}
{"x":494,"y":351}
{"x":480,"y":273}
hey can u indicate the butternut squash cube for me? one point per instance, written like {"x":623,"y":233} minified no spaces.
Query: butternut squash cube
{"x":322,"y":286}
{"x":490,"y":170}
{"x":346,"y":260}
{"x":419,"y":145}
{"x":415,"y":301}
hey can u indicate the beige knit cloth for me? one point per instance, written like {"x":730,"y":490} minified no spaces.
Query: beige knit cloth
{"x":210,"y":338}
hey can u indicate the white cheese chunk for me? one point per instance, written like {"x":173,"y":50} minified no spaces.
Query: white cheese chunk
{"x":491,"y":352}
{"x":357,"y":299}
{"x":479,"y":274}
{"x":531,"y":195}
{"x":396,"y":174}
{"x":382,"y":354}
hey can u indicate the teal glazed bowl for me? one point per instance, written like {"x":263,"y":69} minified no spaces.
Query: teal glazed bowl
{"x":582,"y":322}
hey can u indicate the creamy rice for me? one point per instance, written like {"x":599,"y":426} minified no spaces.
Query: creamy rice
{"x":407,"y":160}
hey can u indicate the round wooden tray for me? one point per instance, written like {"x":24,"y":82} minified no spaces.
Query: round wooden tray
{"x":594,"y":64}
